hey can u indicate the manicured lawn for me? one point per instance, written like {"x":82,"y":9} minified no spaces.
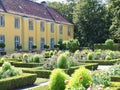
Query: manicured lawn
{"x":40,"y":80}
{"x":41,"y":88}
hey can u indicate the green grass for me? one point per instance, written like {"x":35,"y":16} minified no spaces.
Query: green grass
{"x":40,"y":80}
{"x":115,"y":86}
{"x":40,"y":88}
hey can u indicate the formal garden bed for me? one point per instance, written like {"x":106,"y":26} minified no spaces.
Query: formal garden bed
{"x":43,"y":65}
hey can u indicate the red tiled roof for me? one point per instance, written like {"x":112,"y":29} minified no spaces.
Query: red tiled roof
{"x":29,"y":8}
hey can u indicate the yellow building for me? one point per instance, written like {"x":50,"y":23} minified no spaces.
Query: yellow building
{"x":25,"y":22}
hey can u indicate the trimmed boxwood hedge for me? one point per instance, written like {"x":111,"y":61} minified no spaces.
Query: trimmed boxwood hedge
{"x":17,"y":81}
{"x":27,"y":65}
{"x":102,"y":62}
{"x":40,"y":73}
{"x":91,"y":66}
{"x":115,"y":78}
{"x":46,"y":73}
{"x":115,"y":47}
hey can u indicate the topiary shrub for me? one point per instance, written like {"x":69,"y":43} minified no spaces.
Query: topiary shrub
{"x":37,"y":58}
{"x":72,"y":45}
{"x":57,"y":79}
{"x":109,"y":42}
{"x":62,"y":61}
{"x":81,"y":78}
{"x":108,"y":57}
{"x":47,"y":54}
{"x":90,"y":56}
{"x":51,"y":53}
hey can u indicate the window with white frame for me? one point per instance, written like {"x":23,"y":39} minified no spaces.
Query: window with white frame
{"x":30,"y":43}
{"x":2,"y":20}
{"x":30,"y":25}
{"x":2,"y":40}
{"x":60,"y":29}
{"x":52,"y":27}
{"x":42,"y":27}
{"x":69,"y":31}
{"x":17,"y":22}
{"x":42,"y":43}
{"x":52,"y":43}
{"x":17,"y":42}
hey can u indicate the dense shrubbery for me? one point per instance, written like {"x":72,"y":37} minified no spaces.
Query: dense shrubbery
{"x":114,"y":70}
{"x":8,"y":71}
{"x":101,"y":78}
{"x":109,"y":42}
{"x":72,"y":45}
{"x":57,"y":79}
{"x":81,"y":78}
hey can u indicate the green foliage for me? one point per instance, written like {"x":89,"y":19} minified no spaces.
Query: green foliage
{"x":19,"y":47}
{"x":90,"y":19}
{"x":101,"y":78}
{"x":51,"y":53}
{"x":109,"y":42}
{"x":2,"y":45}
{"x":72,"y":45}
{"x":46,"y":46}
{"x":37,"y":58}
{"x":90,"y":56}
{"x":34,"y":46}
{"x":108,"y":57}
{"x":114,"y":11}
{"x":81,"y":77}
{"x":8,"y":71}
{"x":114,"y":70}
{"x":57,"y":79}
{"x":62,"y":61}
{"x":47,"y":54}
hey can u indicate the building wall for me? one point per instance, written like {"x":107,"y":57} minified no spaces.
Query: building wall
{"x":9,"y":31}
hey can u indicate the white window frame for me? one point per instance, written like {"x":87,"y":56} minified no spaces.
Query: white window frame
{"x":31,"y":25}
{"x":52,"y":27}
{"x":30,"y":43}
{"x":42,"y":26}
{"x":52,"y":42}
{"x":42,"y":43}
{"x":17,"y":22}
{"x":60,"y":29}
{"x":2,"y":20}
{"x":16,"y":42}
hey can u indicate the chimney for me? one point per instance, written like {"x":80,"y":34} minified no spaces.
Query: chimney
{"x":44,"y":3}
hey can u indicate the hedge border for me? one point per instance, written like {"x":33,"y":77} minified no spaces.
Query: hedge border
{"x":115,"y":78}
{"x":17,"y":81}
{"x":102,"y":62}
{"x":27,"y":65}
{"x":46,"y":73}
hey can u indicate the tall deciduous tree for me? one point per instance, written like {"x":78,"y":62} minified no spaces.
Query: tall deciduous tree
{"x":89,"y":17}
{"x":114,"y":9}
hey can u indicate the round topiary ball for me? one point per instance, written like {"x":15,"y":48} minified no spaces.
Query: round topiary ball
{"x":62,"y":61}
{"x":108,"y":57}
{"x":36,"y":58}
